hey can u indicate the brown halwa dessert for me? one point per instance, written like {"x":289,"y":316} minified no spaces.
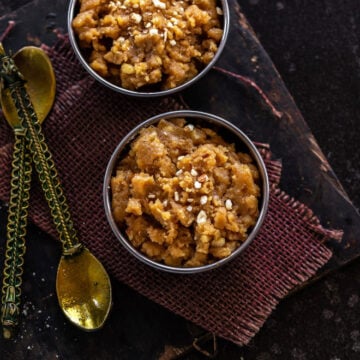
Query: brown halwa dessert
{"x":183,"y":195}
{"x":134,"y":43}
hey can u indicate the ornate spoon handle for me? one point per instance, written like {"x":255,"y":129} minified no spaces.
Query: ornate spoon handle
{"x":46,"y":170}
{"x":16,"y":232}
{"x":26,"y":119}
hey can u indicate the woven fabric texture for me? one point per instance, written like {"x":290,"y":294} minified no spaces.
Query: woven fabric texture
{"x":84,"y":127}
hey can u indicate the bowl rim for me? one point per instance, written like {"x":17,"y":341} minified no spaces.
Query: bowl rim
{"x":144,"y":94}
{"x":187,"y":114}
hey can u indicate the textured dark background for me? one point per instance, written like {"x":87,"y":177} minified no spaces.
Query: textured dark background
{"x":315,"y":46}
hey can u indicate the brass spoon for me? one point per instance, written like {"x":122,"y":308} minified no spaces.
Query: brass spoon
{"x":82,"y":284}
{"x":42,"y":98}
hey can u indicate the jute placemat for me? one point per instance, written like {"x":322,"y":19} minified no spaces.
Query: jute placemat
{"x":84,"y":127}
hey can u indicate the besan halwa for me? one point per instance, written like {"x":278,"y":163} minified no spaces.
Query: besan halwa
{"x":136,"y":43}
{"x":183,"y":196}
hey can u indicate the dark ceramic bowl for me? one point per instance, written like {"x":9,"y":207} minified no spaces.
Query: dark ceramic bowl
{"x":72,"y":11}
{"x":231,"y":134}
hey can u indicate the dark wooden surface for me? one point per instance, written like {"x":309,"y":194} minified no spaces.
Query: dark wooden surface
{"x":307,"y":175}
{"x":328,"y":94}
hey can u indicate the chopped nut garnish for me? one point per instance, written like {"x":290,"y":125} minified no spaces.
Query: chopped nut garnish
{"x":202,"y":217}
{"x":151,"y":196}
{"x":179,"y":172}
{"x":159,"y":4}
{"x":219,"y":11}
{"x":197,"y":185}
{"x":174,"y":21}
{"x":203,"y":200}
{"x":172,"y":42}
{"x":153,"y":31}
{"x":115,"y":4}
{"x":203,"y":177}
{"x":193,"y":172}
{"x":136,"y":17}
{"x":228,"y":204}
{"x":190,"y":127}
{"x":190,"y":200}
{"x":176,"y":196}
{"x":189,"y":208}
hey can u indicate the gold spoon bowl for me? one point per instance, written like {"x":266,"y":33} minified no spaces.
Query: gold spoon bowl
{"x":86,"y":300}
{"x":40,"y":84}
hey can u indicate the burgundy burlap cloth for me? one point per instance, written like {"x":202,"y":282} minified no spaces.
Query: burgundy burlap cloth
{"x":84,"y":127}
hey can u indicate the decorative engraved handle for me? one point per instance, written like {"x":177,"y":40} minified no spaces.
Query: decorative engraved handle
{"x":12,"y":79}
{"x":46,"y":170}
{"x":16,"y":232}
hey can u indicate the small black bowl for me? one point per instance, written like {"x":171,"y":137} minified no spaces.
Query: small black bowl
{"x":72,"y":11}
{"x":232,"y":135}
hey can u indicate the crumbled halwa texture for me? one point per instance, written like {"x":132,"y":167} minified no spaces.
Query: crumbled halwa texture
{"x":184,"y":196}
{"x":135,"y":43}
